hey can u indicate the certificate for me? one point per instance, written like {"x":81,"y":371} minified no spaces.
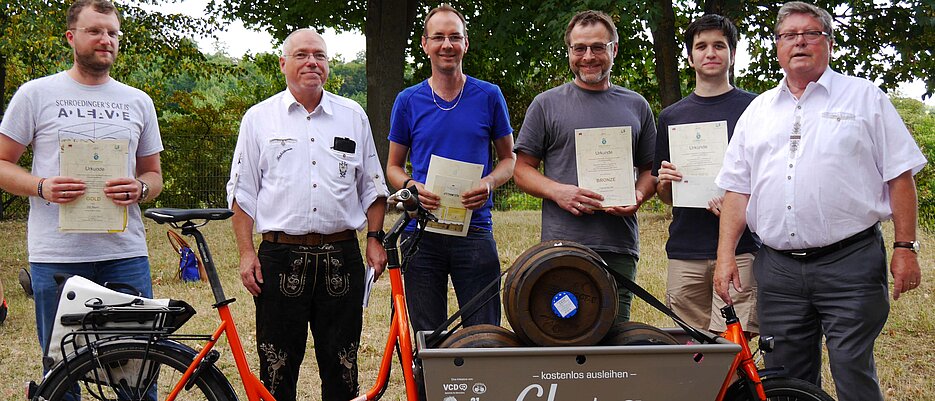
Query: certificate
{"x":697,"y":151}
{"x":449,"y":179}
{"x":93,"y":162}
{"x":605,"y":164}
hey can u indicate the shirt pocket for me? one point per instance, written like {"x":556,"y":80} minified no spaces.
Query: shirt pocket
{"x":280,"y":154}
{"x":840,"y":133}
{"x":342,"y":168}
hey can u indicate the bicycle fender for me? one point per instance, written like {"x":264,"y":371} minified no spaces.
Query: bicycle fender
{"x":211,"y":370}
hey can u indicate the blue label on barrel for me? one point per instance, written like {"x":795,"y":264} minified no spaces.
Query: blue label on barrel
{"x":564,"y":304}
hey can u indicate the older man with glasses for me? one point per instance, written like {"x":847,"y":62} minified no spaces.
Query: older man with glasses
{"x":306,"y":176}
{"x":814,"y":166}
{"x":79,"y":106}
{"x":454,"y":116}
{"x":570,"y":212}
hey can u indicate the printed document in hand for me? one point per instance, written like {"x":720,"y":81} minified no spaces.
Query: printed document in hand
{"x":448,"y":179}
{"x":94,"y":162}
{"x":697,"y":151}
{"x":605,"y":164}
{"x":368,"y":284}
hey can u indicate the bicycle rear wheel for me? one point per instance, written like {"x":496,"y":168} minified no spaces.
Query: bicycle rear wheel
{"x":128,"y":370}
{"x":780,"y":389}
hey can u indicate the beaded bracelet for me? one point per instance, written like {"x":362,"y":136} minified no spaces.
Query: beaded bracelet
{"x":39,"y":188}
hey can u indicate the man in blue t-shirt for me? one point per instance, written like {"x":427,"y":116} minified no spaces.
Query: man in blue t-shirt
{"x":711,"y":42}
{"x":454,"y":116}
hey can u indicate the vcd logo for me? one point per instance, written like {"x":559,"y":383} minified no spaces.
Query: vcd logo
{"x":454,"y":387}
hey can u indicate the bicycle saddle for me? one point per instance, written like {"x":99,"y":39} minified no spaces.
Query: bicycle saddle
{"x":172,"y":215}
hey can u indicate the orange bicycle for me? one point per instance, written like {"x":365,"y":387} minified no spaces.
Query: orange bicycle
{"x":151,"y":361}
{"x":146,"y":360}
{"x":744,"y":380}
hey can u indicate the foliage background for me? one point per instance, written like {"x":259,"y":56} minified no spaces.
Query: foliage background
{"x":200,"y":97}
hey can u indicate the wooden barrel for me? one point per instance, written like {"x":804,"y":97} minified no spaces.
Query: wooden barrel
{"x":558,"y":293}
{"x":635,"y":333}
{"x":482,"y":336}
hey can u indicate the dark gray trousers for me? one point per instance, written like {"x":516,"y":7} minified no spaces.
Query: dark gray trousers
{"x":842,"y":295}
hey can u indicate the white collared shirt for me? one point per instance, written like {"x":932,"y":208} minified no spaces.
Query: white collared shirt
{"x":835,"y":182}
{"x":287,"y":175}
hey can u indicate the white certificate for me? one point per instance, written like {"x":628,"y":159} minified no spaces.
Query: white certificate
{"x":605,"y":164}
{"x":448,"y":179}
{"x":93,"y":162}
{"x":697,"y":151}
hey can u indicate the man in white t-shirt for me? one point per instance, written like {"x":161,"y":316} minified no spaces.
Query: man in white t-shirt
{"x":82,"y":103}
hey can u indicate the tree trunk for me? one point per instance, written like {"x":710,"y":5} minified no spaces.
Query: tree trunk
{"x":732,"y":10}
{"x":387,"y":30}
{"x":2,"y":85}
{"x":666,"y":48}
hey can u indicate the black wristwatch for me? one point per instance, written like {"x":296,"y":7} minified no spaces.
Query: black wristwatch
{"x":376,"y":234}
{"x":913,"y":246}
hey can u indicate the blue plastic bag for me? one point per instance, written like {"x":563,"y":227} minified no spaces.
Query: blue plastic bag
{"x":189,"y":266}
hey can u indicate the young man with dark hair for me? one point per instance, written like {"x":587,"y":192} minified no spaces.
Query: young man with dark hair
{"x":711,"y":44}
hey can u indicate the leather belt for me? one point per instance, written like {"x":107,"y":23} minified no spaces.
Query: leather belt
{"x":311,"y":239}
{"x":811,"y":253}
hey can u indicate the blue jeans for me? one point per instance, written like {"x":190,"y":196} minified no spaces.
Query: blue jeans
{"x":132,"y":271}
{"x":471,"y":261}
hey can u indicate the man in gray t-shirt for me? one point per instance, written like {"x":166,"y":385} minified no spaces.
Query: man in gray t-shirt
{"x":547,"y":135}
{"x":82,"y":105}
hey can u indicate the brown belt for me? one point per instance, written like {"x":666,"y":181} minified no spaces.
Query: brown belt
{"x":311,"y":239}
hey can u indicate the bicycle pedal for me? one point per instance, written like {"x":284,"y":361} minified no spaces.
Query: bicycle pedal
{"x":207,"y":362}
{"x":31,"y":388}
{"x":767,"y":343}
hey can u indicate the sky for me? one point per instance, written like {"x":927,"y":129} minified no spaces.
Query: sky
{"x":238,"y":40}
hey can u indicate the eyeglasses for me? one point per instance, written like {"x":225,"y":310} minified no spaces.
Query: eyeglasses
{"x":439,"y":39}
{"x":792,"y":37}
{"x":303,"y":57}
{"x":99,"y":32}
{"x":597,"y":50}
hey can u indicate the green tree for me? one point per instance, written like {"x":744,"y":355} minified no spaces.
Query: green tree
{"x":387,"y":25}
{"x":920,"y":119}
{"x":32,"y":45}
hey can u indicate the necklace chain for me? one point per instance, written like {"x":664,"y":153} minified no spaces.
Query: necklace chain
{"x":460,"y":93}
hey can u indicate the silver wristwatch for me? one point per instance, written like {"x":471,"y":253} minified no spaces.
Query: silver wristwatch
{"x":144,"y":191}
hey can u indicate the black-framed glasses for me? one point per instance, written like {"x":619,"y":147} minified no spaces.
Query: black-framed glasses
{"x":597,"y":50}
{"x":792,"y":37}
{"x":98,"y":32}
{"x":439,"y":39}
{"x":303,"y":56}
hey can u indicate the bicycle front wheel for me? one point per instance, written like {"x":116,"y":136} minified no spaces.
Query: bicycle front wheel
{"x":133,"y":370}
{"x":780,"y":389}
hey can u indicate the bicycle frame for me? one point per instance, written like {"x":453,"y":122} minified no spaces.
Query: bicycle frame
{"x":743,"y":363}
{"x":253,"y":387}
{"x":399,"y":337}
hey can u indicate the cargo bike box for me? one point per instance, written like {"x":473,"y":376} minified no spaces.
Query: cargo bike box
{"x":594,"y":373}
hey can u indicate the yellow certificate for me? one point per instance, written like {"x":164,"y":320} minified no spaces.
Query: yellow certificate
{"x":448,"y":179}
{"x":605,"y":164}
{"x":93,"y":162}
{"x":697,"y":151}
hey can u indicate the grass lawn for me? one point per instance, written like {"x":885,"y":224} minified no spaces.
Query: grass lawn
{"x":905,"y":372}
